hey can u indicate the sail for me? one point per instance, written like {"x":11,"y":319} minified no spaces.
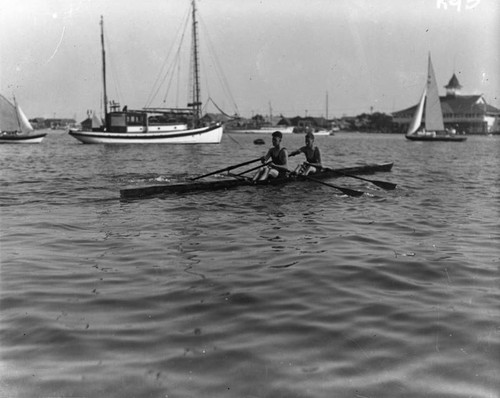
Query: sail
{"x":417,"y":116}
{"x":24,"y":124}
{"x":433,"y":112}
{"x":8,"y":115}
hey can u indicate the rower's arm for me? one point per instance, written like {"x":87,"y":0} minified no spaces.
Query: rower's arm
{"x":265,"y":158}
{"x":296,"y":152}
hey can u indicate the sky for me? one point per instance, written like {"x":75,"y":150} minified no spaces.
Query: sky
{"x":293,"y":57}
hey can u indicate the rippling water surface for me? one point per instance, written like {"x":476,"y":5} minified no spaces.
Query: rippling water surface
{"x":292,"y":291}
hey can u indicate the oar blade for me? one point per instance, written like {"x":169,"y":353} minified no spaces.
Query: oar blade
{"x":389,"y":186}
{"x":351,"y":192}
{"x":381,"y":184}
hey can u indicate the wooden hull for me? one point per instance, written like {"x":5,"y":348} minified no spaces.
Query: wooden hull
{"x":204,"y":135}
{"x":7,"y":138}
{"x":135,"y":193}
{"x":453,"y":138}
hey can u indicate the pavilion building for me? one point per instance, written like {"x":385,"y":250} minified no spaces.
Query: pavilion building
{"x":470,"y":114}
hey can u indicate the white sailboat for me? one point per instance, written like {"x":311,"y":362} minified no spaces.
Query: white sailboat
{"x":155,"y":125}
{"x":15,"y":127}
{"x":432,"y":118}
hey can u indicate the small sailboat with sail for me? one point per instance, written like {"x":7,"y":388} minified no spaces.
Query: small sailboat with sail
{"x":155,"y":125}
{"x":15,"y":127}
{"x":427,"y":123}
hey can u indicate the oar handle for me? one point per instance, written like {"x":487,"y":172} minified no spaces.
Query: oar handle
{"x":226,"y":169}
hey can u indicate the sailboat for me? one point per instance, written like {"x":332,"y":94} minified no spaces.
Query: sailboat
{"x":154,"y":125}
{"x":15,"y":127}
{"x":433,"y":126}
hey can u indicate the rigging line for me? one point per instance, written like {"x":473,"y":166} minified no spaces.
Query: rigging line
{"x":218,"y":68}
{"x":172,"y":66}
{"x":161,"y":76}
{"x":58,"y":45}
{"x":177,"y":94}
{"x":220,"y":110}
{"x":220,"y":71}
{"x":168,"y":75}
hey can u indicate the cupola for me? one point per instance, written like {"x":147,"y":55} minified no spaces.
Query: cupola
{"x":453,"y":87}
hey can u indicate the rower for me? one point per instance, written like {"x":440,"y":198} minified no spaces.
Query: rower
{"x":313,"y":157}
{"x":278,"y":166}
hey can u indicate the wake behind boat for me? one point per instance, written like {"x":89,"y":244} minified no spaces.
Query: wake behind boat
{"x":236,"y":181}
{"x":15,"y":127}
{"x":154,"y":125}
{"x":433,"y":127}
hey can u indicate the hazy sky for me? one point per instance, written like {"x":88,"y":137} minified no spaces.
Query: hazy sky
{"x":284,"y":54}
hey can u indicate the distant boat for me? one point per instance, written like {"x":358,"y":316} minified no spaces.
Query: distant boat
{"x":155,"y":125}
{"x":255,"y":129}
{"x":433,"y":126}
{"x":15,"y":127}
{"x":322,"y":132}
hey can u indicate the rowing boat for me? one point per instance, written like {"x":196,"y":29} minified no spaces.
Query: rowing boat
{"x":227,"y":183}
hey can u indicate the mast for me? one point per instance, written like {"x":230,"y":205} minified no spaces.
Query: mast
{"x":196,"y":71}
{"x":104,"y":69}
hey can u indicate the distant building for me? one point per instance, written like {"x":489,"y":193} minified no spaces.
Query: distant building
{"x":93,"y":122}
{"x":55,"y":124}
{"x":465,"y":113}
{"x":310,"y":123}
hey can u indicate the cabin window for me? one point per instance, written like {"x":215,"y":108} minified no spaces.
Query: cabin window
{"x":134,"y":120}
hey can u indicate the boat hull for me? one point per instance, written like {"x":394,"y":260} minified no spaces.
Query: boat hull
{"x":204,"y":135}
{"x":142,"y":192}
{"x":7,"y":138}
{"x":451,"y":138}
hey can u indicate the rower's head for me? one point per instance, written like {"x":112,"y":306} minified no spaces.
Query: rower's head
{"x":277,"y":137}
{"x":309,"y":138}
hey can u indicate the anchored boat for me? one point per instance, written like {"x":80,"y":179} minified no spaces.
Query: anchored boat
{"x":433,"y":126}
{"x":15,"y":127}
{"x":253,"y":129}
{"x":155,"y":125}
{"x":238,"y":180}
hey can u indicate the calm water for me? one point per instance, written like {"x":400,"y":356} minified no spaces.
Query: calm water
{"x":291,"y":291}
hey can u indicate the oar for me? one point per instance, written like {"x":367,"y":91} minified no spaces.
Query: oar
{"x":227,"y":169}
{"x":389,"y":186}
{"x":253,"y":168}
{"x":258,"y":167}
{"x":347,"y":191}
{"x":382,"y":184}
